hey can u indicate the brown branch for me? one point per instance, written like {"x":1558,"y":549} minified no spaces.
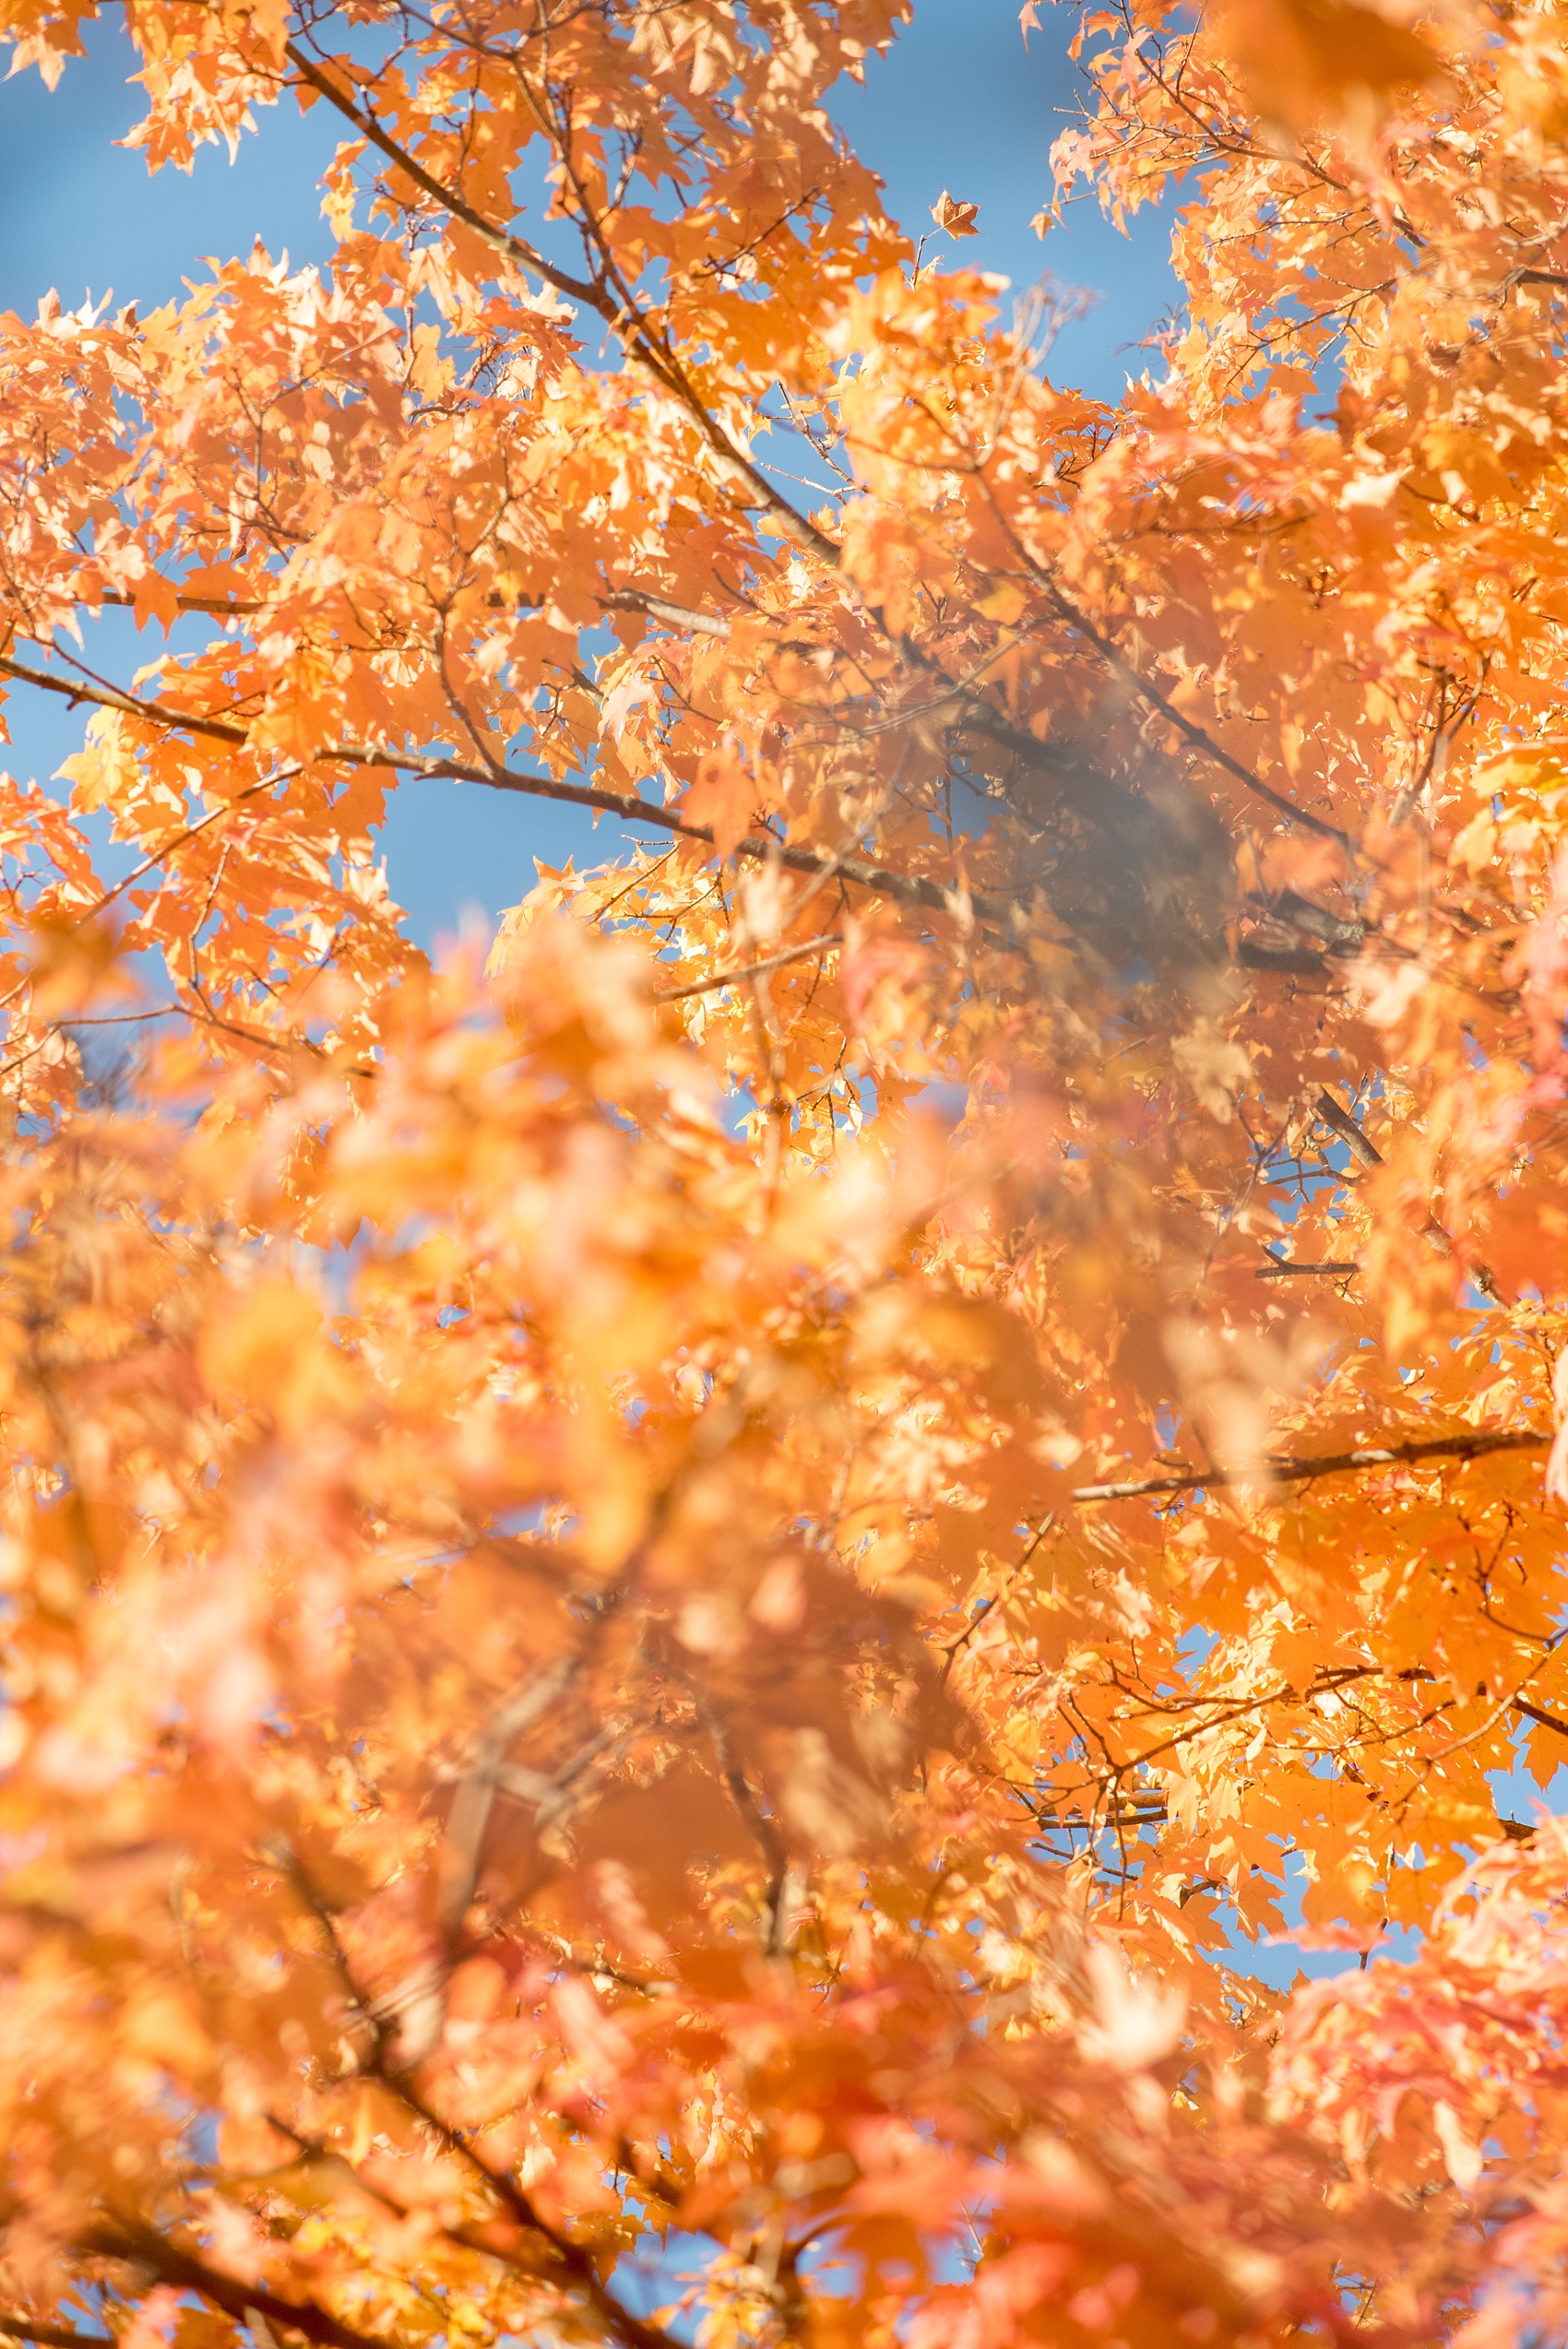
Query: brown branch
{"x":1156,"y":1813}
{"x":576,"y":2259}
{"x":621,"y":317}
{"x":1273,"y":1468}
{"x":1190,"y":732}
{"x":758,"y":1825}
{"x":1345,"y":1126}
{"x":956,"y":1647}
{"x":628,"y":805}
{"x":1328,"y":1271}
{"x":466,"y":1823}
{"x":219,"y":729}
{"x":56,"y":2336}
{"x":514,"y":248}
{"x":1436,"y":753}
{"x":674,"y":616}
{"x":1538,"y":1713}
{"x":217,"y":607}
{"x":1329,"y":1110}
{"x":142,"y":2246}
{"x":181,"y":840}
{"x":317,"y":2149}
{"x":1529,"y":278}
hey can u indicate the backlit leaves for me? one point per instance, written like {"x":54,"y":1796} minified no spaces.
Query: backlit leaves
{"x":705,"y":1586}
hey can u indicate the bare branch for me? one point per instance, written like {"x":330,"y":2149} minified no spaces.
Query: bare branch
{"x":1345,"y":1126}
{"x":674,"y":616}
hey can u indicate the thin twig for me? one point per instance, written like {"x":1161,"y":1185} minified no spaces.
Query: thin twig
{"x":751,"y":970}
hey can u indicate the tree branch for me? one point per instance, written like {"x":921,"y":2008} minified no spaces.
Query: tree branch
{"x":1539,"y":1713}
{"x":514,"y":248}
{"x":1529,"y":278}
{"x":674,"y":616}
{"x":218,"y":729}
{"x":1273,"y":1468}
{"x":1345,"y":1126}
{"x":1190,"y":732}
{"x":758,"y":847}
{"x":627,"y":323}
{"x":576,"y":2259}
{"x":142,"y":2246}
{"x":217,"y":607}
{"x":467,"y":1819}
{"x":751,"y":970}
{"x":1327,"y":1271}
{"x":55,"y":2336}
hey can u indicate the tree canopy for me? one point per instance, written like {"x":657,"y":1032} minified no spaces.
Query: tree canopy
{"x":675,"y":1609}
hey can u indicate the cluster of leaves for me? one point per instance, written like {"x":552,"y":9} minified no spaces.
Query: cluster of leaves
{"x":696,"y":1590}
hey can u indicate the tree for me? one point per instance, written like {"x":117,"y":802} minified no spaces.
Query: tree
{"x":613,"y":1625}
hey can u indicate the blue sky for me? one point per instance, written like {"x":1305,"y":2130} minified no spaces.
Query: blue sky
{"x":960,"y":104}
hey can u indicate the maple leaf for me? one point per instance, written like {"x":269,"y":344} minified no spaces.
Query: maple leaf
{"x":958,"y":220}
{"x":1305,"y":61}
{"x":723,"y":798}
{"x":621,"y":703}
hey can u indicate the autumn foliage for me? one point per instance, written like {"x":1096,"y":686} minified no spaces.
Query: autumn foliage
{"x":675,"y":1611}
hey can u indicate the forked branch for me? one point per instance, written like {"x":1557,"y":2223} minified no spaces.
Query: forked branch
{"x":594,"y":294}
